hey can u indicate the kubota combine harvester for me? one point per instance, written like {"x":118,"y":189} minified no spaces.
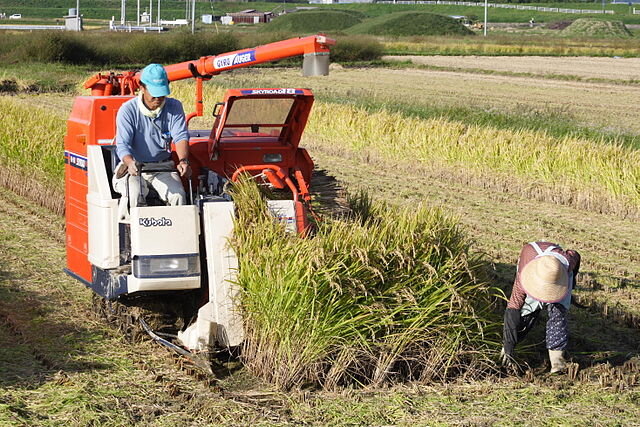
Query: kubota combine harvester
{"x":178,"y":257}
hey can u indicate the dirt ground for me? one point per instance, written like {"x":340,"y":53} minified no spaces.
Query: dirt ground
{"x":586,"y":67}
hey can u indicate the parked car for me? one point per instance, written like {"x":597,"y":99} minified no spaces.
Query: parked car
{"x":16,"y":16}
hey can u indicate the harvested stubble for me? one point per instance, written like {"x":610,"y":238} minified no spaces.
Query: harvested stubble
{"x":385,"y":295}
{"x":513,"y":47}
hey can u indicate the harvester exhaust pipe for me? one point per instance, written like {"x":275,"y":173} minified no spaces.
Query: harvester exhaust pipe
{"x":315,"y":64}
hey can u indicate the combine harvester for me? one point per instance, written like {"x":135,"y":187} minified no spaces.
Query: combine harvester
{"x":175,"y":260}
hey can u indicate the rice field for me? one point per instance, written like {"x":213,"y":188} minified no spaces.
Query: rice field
{"x":441,"y":160}
{"x":587,"y":173}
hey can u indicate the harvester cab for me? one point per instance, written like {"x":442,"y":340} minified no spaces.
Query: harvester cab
{"x":180,"y":255}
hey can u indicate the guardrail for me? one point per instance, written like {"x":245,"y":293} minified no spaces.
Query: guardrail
{"x":32,"y":27}
{"x":130,"y":28}
{"x":503,"y":6}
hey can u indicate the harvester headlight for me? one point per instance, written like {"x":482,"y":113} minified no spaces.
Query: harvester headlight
{"x":272,"y":158}
{"x":159,"y":266}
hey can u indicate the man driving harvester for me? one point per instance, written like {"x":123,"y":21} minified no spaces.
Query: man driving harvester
{"x":145,"y":128}
{"x":545,"y":276}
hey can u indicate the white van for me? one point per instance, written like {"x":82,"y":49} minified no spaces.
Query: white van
{"x":16,"y":16}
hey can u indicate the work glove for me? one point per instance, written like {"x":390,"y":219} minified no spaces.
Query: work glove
{"x":132,"y":168}
{"x":508,"y":362}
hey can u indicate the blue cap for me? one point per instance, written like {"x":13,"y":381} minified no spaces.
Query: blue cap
{"x":155,"y":79}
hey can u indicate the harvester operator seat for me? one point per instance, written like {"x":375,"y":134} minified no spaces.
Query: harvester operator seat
{"x":139,"y":190}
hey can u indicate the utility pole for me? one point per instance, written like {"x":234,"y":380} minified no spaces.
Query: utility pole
{"x":193,"y":16}
{"x":486,"y":7}
{"x":138,"y":14}
{"x":158,"y":12}
{"x":150,"y":12}
{"x":123,"y":11}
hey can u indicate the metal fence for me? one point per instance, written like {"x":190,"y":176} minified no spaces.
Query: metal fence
{"x":32,"y":27}
{"x":504,"y":6}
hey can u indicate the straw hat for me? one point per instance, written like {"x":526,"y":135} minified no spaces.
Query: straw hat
{"x":545,"y":278}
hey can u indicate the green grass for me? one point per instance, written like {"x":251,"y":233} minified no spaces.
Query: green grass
{"x":313,"y":21}
{"x":171,"y":9}
{"x":411,"y":24}
{"x":498,"y":14}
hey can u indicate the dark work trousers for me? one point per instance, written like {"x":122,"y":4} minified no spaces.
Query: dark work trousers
{"x":516,"y":327}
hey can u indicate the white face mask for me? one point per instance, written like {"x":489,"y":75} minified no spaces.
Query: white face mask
{"x":145,"y":111}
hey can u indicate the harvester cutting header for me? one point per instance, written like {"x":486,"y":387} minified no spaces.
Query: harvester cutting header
{"x":176,"y":258}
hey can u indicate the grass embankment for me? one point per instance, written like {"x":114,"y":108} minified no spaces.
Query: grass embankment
{"x":387,"y":295}
{"x":101,"y":11}
{"x":411,"y":24}
{"x":313,"y":21}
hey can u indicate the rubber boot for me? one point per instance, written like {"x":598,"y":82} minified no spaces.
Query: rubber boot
{"x":558,"y":364}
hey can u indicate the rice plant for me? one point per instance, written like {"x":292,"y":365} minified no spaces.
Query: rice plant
{"x":31,"y":151}
{"x":385,"y":295}
{"x":608,"y":170}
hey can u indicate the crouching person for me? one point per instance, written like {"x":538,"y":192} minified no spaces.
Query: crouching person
{"x":545,"y":277}
{"x":146,"y":126}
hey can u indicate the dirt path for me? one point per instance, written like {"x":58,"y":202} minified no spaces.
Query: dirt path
{"x":586,"y":67}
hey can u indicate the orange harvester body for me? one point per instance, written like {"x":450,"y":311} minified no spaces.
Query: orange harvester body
{"x":266,"y":150}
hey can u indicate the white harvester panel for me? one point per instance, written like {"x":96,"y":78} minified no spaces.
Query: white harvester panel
{"x":285,"y":212}
{"x":164,"y":248}
{"x":102,"y":213}
{"x":219,"y":321}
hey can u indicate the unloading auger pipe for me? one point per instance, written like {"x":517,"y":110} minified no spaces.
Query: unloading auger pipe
{"x":315,"y":49}
{"x":316,"y":45}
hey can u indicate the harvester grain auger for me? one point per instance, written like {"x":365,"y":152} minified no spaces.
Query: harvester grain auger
{"x":175,"y":260}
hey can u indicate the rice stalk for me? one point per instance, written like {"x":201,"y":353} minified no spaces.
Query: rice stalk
{"x":363,"y":300}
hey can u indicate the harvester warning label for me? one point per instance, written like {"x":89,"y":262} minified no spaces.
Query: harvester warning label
{"x":226,"y":61}
{"x":75,"y":160}
{"x":281,"y":91}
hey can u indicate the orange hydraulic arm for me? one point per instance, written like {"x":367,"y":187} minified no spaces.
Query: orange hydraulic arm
{"x":127,"y":83}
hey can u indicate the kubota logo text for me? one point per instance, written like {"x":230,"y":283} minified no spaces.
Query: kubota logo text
{"x":234,"y":59}
{"x":154,"y":222}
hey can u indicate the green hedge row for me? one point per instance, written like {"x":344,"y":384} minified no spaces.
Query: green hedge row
{"x":135,"y":48}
